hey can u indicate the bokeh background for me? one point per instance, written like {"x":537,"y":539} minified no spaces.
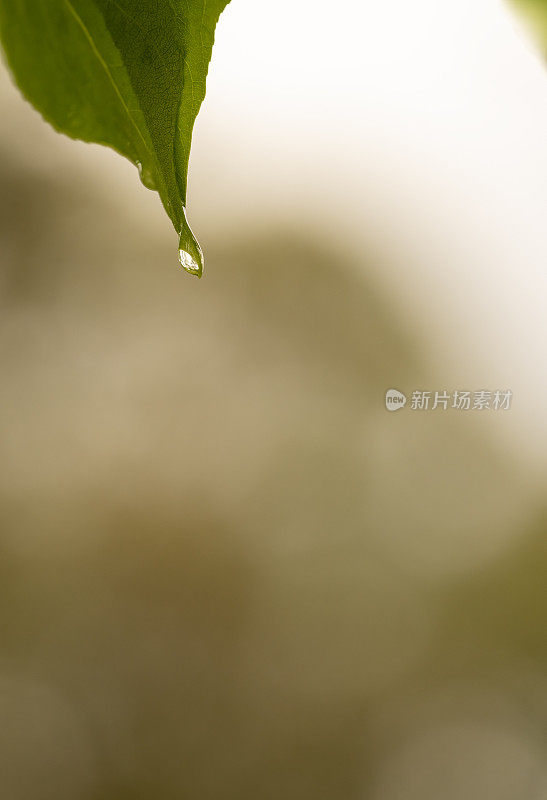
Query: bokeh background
{"x":226,"y":571}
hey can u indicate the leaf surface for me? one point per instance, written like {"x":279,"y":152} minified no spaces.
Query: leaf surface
{"x":535,"y":12}
{"x":129,"y":74}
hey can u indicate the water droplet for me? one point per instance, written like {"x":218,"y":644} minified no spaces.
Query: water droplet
{"x":188,"y":263}
{"x":190,"y":253}
{"x":146,"y":176}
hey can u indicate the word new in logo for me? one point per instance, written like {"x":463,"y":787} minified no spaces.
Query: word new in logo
{"x":395,"y":400}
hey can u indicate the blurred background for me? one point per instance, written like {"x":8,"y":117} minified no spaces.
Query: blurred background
{"x":226,"y":571}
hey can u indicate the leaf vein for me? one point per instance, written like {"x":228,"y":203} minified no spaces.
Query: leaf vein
{"x":106,"y":68}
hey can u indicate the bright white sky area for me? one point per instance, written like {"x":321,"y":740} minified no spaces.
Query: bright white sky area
{"x":419,"y":126}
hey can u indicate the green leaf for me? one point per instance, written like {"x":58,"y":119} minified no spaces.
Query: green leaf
{"x":535,"y":12}
{"x":129,"y":74}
